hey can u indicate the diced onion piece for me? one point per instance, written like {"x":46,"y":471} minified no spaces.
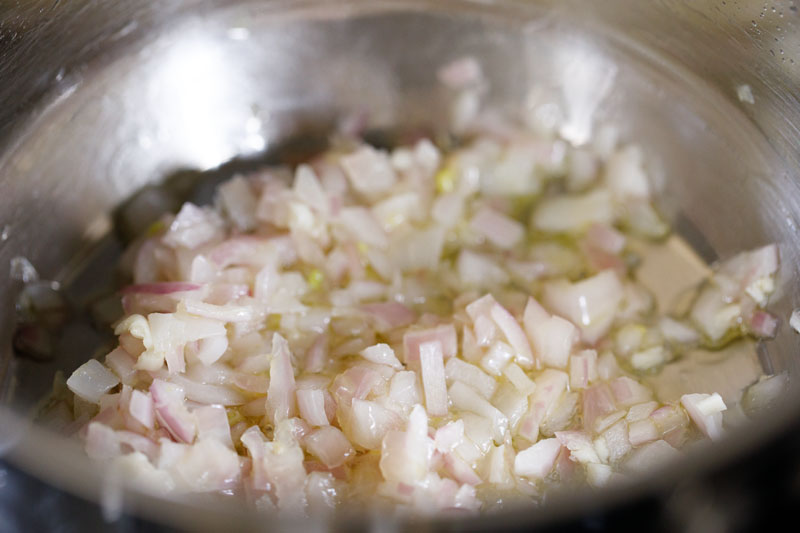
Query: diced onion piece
{"x":579,"y":445}
{"x":449,"y":436}
{"x":458,"y":370}
{"x":628,"y":392}
{"x":403,"y":389}
{"x":498,"y":356}
{"x":382,"y":354}
{"x":433,"y":377}
{"x":605,"y":238}
{"x":706,"y":412}
{"x":511,"y":403}
{"x":642,"y":432}
{"x":447,"y":209}
{"x":419,"y":249}
{"x":794,"y":320}
{"x":582,"y":369}
{"x":537,"y":461}
{"x":397,"y":210}
{"x":514,"y":334}
{"x":574,"y":213}
{"x":591,"y":303}
{"x":308,"y":189}
{"x":762,"y":324}
{"x":519,"y":379}
{"x":677,"y":332}
{"x":551,"y":336}
{"x":206,"y":393}
{"x":499,"y":466}
{"x":224,"y":313}
{"x":445,"y":335}
{"x":479,"y":270}
{"x":712,"y":314}
{"x":598,"y":402}
{"x":137,"y":327}
{"x":368,"y":170}
{"x":141,"y":408}
{"x":616,"y":438}
{"x":239,"y":202}
{"x":212,"y":424}
{"x":550,"y":385}
{"x":171,"y":412}
{"x":598,"y":475}
{"x":322,"y":491}
{"x":192,"y":226}
{"x":368,"y":422}
{"x":311,"y":403}
{"x":500,"y":230}
{"x":650,"y":358}
{"x":405,"y":455}
{"x":749,"y":272}
{"x":641,"y":411}
{"x":329,"y":445}
{"x":281,"y":394}
{"x":92,"y":380}
{"x":210,"y":349}
{"x":362,"y":225}
{"x":102,"y":442}
{"x":464,"y":397}
{"x":390,"y":315}
{"x":122,"y":364}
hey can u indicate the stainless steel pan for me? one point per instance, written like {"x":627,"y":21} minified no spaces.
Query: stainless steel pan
{"x":98,"y":99}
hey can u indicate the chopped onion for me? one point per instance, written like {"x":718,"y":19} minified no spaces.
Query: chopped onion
{"x":582,"y":369}
{"x":537,"y":461}
{"x":405,"y":455}
{"x":281,"y":394}
{"x":329,"y":445}
{"x":444,"y":335}
{"x":706,"y":412}
{"x":91,"y":381}
{"x":403,"y":279}
{"x":311,"y":403}
{"x":591,"y":304}
{"x":368,"y":170}
{"x":574,"y":213}
{"x":141,"y":408}
{"x":579,"y":445}
{"x":390,"y":315}
{"x":212,"y":424}
{"x":500,"y":230}
{"x":550,"y":385}
{"x":383,"y":354}
{"x":514,"y":334}
{"x":171,"y":412}
{"x":367,"y":422}
{"x":463,"y":397}
{"x":433,"y":377}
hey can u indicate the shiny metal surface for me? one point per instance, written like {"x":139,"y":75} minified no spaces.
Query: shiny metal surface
{"x":101,"y":98}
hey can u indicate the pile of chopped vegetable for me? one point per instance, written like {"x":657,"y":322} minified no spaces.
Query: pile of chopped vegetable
{"x":440,"y":330}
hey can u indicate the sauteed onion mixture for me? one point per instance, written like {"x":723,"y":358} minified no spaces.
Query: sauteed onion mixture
{"x":431,"y":327}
